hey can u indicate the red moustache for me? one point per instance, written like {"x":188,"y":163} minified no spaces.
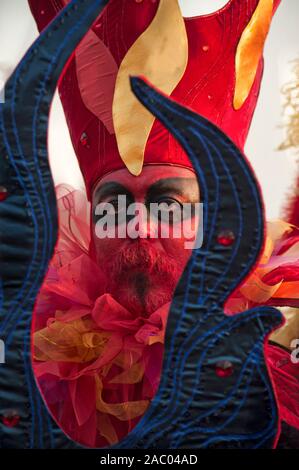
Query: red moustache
{"x":143,"y":257}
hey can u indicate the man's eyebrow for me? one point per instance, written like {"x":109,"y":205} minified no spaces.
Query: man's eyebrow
{"x":169,"y":185}
{"x":109,"y":189}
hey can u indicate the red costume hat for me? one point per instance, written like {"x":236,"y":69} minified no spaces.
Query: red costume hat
{"x":218,"y":75}
{"x":96,"y":394}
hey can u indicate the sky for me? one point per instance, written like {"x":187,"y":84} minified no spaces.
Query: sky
{"x":275,"y":169}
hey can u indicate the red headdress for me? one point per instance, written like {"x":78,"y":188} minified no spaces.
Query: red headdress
{"x":212,"y":64}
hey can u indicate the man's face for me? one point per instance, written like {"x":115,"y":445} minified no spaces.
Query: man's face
{"x":143,"y":268}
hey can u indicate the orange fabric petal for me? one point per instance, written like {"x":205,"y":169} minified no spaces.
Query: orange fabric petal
{"x":130,"y":376}
{"x":122,"y":411}
{"x":288,"y":290}
{"x":257,"y":291}
{"x":69,"y":342}
{"x":106,"y":429}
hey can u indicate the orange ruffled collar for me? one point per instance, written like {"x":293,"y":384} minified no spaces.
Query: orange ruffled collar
{"x":104,"y":342}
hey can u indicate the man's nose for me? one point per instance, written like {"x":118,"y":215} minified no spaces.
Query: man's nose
{"x":146,"y":225}
{"x":146,"y":228}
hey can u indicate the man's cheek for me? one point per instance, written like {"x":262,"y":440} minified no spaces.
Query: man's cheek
{"x":183,"y":235}
{"x":175,"y":247}
{"x":191,"y":229}
{"x":106,"y":247}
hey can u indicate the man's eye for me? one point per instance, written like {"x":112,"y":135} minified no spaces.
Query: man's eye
{"x":113,"y":209}
{"x":169,"y":210}
{"x":116,"y":205}
{"x":170,"y":202}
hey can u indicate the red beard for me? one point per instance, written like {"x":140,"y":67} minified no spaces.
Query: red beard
{"x":141,"y":278}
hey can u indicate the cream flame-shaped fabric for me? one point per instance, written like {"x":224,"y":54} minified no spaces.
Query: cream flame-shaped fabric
{"x":161,"y":55}
{"x":250,"y":50}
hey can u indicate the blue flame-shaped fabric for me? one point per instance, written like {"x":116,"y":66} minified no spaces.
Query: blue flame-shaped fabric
{"x":194,"y":407}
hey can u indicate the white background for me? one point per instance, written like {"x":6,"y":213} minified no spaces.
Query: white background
{"x":275,"y":169}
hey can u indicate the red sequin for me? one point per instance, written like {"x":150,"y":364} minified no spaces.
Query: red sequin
{"x":224,"y":369}
{"x":10,"y":421}
{"x":85,"y":140}
{"x":226,"y":238}
{"x":3,"y":193}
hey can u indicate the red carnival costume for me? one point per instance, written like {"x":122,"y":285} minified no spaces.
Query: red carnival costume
{"x":97,"y":365}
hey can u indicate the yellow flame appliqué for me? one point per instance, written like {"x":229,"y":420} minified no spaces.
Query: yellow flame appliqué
{"x":250,"y":50}
{"x":161,"y":55}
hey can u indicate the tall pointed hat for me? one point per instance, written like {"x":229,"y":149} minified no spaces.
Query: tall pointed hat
{"x":212,"y":64}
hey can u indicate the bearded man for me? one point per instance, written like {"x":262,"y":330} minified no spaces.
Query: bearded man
{"x":101,"y":315}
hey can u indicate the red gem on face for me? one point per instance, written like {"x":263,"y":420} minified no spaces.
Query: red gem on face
{"x":226,"y":238}
{"x":3,"y":193}
{"x":84,"y":140}
{"x":10,"y":421}
{"x":224,"y":369}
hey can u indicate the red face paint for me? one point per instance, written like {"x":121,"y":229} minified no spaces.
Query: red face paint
{"x":142,"y":273}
